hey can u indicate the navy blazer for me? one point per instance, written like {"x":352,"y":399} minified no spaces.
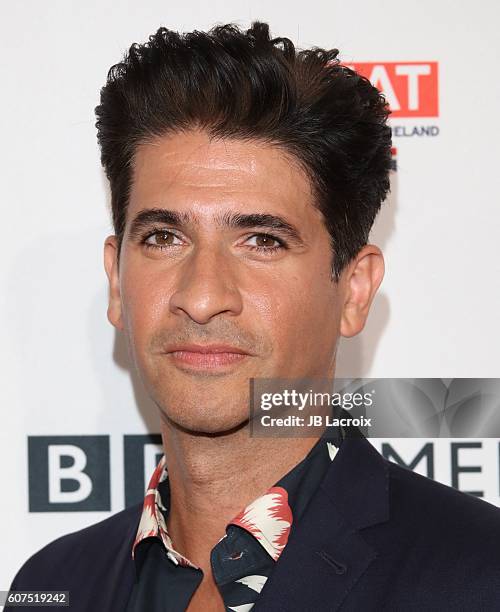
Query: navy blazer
{"x":375,"y":537}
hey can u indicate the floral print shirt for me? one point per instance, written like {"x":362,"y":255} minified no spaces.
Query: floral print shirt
{"x":244,"y":557}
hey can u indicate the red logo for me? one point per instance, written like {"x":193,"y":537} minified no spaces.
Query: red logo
{"x":411,"y":88}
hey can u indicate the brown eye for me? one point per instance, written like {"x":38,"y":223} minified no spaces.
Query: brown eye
{"x":161,"y":239}
{"x":265,"y":241}
{"x":164,"y":238}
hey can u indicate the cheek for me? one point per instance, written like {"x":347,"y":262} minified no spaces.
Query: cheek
{"x":144,"y":303}
{"x":297,"y":312}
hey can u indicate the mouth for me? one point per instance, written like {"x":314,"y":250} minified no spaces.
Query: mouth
{"x":206,"y":360}
{"x":207,"y":357}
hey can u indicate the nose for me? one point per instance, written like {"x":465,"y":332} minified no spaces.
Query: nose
{"x":206,"y":287}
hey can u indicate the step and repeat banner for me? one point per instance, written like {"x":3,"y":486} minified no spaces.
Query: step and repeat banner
{"x":79,"y":436}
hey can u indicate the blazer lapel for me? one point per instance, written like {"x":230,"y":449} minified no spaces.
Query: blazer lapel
{"x":326,"y":556}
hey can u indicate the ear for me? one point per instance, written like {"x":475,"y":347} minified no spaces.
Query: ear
{"x":111,"y":267}
{"x":363,"y":278}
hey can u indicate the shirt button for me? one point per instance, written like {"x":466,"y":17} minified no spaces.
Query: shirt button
{"x":236,"y":555}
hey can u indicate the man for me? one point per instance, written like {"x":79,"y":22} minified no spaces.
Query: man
{"x":245,"y":177}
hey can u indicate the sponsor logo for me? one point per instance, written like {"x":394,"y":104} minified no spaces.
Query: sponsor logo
{"x":411,"y":88}
{"x":412,"y":91}
{"x":73,"y":473}
{"x":141,"y":455}
{"x":68,"y":473}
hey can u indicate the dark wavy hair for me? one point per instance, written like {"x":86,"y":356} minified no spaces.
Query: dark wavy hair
{"x":247,"y":85}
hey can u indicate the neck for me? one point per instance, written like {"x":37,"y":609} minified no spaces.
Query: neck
{"x":212,"y":478}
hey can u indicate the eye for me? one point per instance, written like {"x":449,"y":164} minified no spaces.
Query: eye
{"x":161,"y":239}
{"x":266,"y":242}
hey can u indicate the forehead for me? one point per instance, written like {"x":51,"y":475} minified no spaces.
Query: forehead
{"x":192,"y":170}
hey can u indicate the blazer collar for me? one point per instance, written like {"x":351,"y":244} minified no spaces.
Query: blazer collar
{"x":326,"y":555}
{"x":357,"y":482}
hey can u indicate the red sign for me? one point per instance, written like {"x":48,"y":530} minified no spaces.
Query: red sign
{"x":411,"y":88}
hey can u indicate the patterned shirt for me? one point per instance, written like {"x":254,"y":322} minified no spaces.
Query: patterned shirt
{"x":244,"y":557}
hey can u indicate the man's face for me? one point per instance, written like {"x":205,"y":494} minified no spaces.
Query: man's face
{"x":262,"y":285}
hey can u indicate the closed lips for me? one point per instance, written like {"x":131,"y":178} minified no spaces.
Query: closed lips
{"x":209,"y":348}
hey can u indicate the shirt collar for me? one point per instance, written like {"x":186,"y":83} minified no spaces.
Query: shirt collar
{"x":268,"y":518}
{"x":152,"y":523}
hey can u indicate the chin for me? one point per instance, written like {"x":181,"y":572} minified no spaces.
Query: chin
{"x":208,"y":424}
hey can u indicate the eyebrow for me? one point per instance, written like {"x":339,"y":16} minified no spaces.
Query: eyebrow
{"x":146,"y":219}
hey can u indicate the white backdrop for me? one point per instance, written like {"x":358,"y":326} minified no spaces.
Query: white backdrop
{"x":65,"y":372}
